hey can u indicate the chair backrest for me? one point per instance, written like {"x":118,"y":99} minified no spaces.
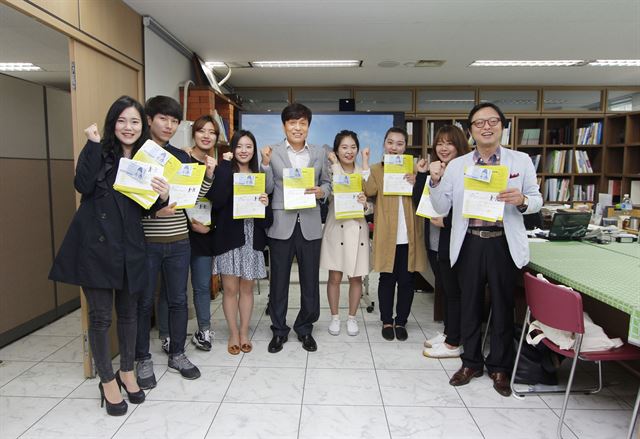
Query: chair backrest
{"x":553,"y":305}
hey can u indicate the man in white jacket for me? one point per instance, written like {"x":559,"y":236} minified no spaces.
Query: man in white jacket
{"x":486,"y":251}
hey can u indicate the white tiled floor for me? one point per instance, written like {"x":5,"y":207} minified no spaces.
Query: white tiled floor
{"x":353,"y":387}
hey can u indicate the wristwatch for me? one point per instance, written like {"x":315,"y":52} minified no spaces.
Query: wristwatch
{"x":524,"y":206}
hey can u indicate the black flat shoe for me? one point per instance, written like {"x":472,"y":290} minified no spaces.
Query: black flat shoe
{"x":387,"y":333}
{"x":117,"y":409}
{"x":308,"y":343}
{"x":134,"y":397}
{"x":401,"y":333}
{"x":275,"y":345}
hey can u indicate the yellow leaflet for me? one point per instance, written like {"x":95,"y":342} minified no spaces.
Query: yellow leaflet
{"x":185,"y":185}
{"x":345,"y":193}
{"x":201,"y":212}
{"x":395,"y":168}
{"x":258,"y":187}
{"x":347,"y":183}
{"x":246,"y":195}
{"x":298,"y":178}
{"x":498,"y":183}
{"x":405,"y":165}
{"x":145,"y":201}
{"x":151,"y":152}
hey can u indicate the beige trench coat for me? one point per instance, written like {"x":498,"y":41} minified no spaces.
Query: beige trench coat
{"x":386,"y":226}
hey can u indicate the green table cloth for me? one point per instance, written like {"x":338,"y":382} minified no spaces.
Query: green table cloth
{"x":609,"y":273}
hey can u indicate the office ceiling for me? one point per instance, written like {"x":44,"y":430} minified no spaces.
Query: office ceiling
{"x":375,"y":31}
{"x":24,"y":39}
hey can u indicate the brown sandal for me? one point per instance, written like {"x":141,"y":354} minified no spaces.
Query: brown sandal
{"x":246,"y":347}
{"x":233,"y":349}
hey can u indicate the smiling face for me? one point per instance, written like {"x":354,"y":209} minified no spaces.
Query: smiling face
{"x":486,"y":136}
{"x":162,"y":128}
{"x":296,"y":131}
{"x":394,"y":143}
{"x":128,"y":127}
{"x":446,"y":150}
{"x":205,"y":137}
{"x":347,"y":150}
{"x":243,"y":152}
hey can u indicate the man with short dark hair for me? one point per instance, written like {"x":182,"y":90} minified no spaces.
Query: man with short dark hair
{"x":295,"y":232}
{"x":490,"y":252}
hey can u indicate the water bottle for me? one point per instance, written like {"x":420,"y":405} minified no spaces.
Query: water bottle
{"x":626,"y":205}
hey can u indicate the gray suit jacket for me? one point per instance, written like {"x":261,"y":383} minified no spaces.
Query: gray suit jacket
{"x":284,"y":221}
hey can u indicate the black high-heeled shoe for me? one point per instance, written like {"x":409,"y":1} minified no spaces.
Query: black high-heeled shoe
{"x":117,"y":409}
{"x":134,"y":397}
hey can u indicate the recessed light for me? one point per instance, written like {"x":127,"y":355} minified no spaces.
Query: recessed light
{"x":19,"y":67}
{"x":527,"y":63}
{"x":387,"y":64}
{"x":429,"y":63}
{"x":309,"y":63}
{"x":615,"y":62}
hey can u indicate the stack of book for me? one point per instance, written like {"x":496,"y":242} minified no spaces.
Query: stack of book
{"x":530,"y":136}
{"x":506,"y":132}
{"x":590,"y":134}
{"x":556,"y":189}
{"x":583,"y":192}
{"x":583,"y":165}
{"x":559,"y":161}
{"x":536,"y":161}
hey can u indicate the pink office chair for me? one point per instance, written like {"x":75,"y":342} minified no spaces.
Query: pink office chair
{"x":561,"y":308}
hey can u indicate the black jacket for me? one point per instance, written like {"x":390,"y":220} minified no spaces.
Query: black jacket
{"x":445,"y":232}
{"x":105,"y":238}
{"x":228,"y":232}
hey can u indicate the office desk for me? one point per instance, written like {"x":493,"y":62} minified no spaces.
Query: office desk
{"x":609,"y":273}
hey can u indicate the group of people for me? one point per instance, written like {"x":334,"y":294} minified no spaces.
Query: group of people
{"x":115,"y":249}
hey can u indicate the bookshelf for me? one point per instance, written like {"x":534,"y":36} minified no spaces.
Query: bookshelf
{"x":621,"y":153}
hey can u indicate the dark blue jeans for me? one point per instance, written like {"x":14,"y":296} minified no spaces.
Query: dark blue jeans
{"x":171,"y":260}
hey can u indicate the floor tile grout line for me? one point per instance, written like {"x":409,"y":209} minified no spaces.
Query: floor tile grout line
{"x":304,"y":383}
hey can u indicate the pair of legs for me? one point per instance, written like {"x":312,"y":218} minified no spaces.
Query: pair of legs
{"x":237,"y":299}
{"x":333,"y":292}
{"x":100,"y":303}
{"x":171,"y":260}
{"x":307,"y":253}
{"x":201,"y":267}
{"x":483,"y":261}
{"x":387,"y":286}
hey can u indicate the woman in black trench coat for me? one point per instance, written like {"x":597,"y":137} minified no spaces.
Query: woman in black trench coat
{"x":104,"y":248}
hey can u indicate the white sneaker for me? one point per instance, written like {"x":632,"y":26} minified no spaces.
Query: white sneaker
{"x":442,"y":351}
{"x":334,"y":326}
{"x":439,"y":338}
{"x":352,"y":326}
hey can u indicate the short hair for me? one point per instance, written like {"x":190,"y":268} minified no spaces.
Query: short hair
{"x":110,"y":142}
{"x":454,"y":135}
{"x":253,"y":163}
{"x":200,"y":122}
{"x":296,"y":111}
{"x":399,"y":131}
{"x":482,"y":105}
{"x":343,"y":135}
{"x":163,"y":105}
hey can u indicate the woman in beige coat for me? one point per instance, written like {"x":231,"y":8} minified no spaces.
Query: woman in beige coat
{"x":345,"y":242}
{"x":398,"y":241}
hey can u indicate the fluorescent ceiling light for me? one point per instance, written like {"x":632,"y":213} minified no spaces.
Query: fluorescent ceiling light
{"x":526,"y":63}
{"x":311,"y":63}
{"x":215,"y":64}
{"x":19,"y":67}
{"x":615,"y":62}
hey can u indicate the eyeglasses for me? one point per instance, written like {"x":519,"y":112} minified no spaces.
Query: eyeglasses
{"x":492,"y":121}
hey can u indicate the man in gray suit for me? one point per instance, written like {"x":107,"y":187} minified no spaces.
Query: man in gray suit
{"x":295,"y":232}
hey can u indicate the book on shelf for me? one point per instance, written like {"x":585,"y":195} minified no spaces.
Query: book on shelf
{"x":556,"y":189}
{"x":590,"y":134}
{"x":506,"y":132}
{"x":557,"y":161}
{"x":583,"y":164}
{"x":409,"y":127}
{"x":530,"y":136}
{"x":614,"y":187}
{"x":584,"y":192}
{"x":536,"y":161}
{"x":431,"y":132}
{"x":560,"y":136}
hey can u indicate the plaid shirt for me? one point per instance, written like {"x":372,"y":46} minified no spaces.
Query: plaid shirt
{"x":494,"y":160}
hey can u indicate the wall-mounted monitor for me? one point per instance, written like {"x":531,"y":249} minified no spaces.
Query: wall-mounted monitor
{"x":370,"y":127}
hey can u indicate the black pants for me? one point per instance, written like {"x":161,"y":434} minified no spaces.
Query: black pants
{"x":307,"y":254}
{"x":100,"y":303}
{"x":452,"y":300}
{"x":387,"y":287}
{"x":483,"y":261}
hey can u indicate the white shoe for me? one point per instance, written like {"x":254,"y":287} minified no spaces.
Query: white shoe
{"x":439,"y":338}
{"x":442,"y":351}
{"x":334,"y":326}
{"x":352,"y":326}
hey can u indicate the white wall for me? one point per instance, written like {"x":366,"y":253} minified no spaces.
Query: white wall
{"x":165,"y":68}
